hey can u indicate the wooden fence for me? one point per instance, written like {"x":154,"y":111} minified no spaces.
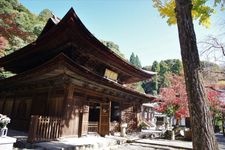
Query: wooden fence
{"x":43,"y":128}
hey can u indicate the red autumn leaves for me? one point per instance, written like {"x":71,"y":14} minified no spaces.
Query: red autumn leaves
{"x":173,"y":99}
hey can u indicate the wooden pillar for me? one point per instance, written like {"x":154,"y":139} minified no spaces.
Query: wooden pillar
{"x":83,"y":120}
{"x":104,"y":122}
{"x":68,"y":101}
{"x":70,"y":114}
{"x":80,"y":124}
{"x":137,"y":112}
{"x":32,"y":129}
{"x":148,"y":114}
{"x":142,"y":112}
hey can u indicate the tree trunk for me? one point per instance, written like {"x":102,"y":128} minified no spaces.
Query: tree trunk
{"x":213,"y":121}
{"x":223,"y":123}
{"x":201,"y":119}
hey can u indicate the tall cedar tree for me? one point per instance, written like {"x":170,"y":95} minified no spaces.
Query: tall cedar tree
{"x":137,"y":62}
{"x":202,"y":128}
{"x":132,"y":58}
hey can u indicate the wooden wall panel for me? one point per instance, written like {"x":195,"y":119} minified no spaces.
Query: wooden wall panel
{"x":70,"y":126}
{"x":39,"y":104}
{"x":21,"y":113}
{"x":7,"y":108}
{"x":21,"y":106}
{"x":55,"y":105}
{"x":2,"y":101}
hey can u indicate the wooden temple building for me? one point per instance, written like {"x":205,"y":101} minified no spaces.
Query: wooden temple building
{"x":68,"y":83}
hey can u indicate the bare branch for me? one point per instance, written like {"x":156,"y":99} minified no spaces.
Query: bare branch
{"x":213,"y":47}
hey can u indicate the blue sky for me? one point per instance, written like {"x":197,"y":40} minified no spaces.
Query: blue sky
{"x":132,"y":24}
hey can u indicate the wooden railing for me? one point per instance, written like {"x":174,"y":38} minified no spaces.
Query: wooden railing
{"x":92,"y":126}
{"x":43,"y":128}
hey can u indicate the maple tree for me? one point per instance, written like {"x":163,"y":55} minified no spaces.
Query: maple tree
{"x":174,"y":98}
{"x":9,"y":27}
{"x":216,"y":105}
{"x":10,"y":32}
{"x":214,"y":102}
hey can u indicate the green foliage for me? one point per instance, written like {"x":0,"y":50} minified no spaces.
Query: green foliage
{"x":152,"y":86}
{"x":170,"y":66}
{"x":18,"y":27}
{"x":174,"y":65}
{"x":8,"y":6}
{"x":137,"y":61}
{"x":155,"y":85}
{"x":16,"y":43}
{"x":218,"y":119}
{"x":44,"y":15}
{"x":177,"y":67}
{"x":134,"y":60}
{"x":171,"y":110}
{"x":114,"y":47}
{"x":137,"y":87}
{"x":164,"y":81}
{"x":164,"y":69}
{"x":18,"y":22}
{"x":201,"y":10}
{"x":155,"y":66}
{"x":37,"y":29}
